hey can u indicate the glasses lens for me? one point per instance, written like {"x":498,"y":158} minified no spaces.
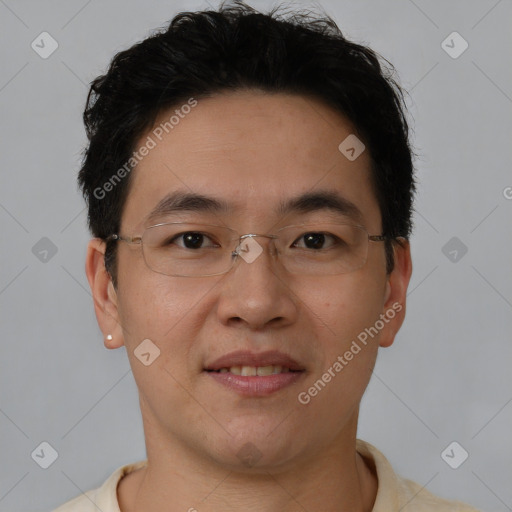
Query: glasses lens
{"x":180,"y":249}
{"x":322,"y":249}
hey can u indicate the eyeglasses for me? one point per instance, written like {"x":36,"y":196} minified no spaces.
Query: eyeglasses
{"x":200,"y":250}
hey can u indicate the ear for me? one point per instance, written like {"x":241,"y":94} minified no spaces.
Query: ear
{"x":103,"y":293}
{"x":396,"y":293}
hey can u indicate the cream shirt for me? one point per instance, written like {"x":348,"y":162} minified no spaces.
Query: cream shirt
{"x":394,"y":493}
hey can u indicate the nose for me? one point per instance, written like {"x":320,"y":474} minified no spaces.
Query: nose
{"x":255,"y":292}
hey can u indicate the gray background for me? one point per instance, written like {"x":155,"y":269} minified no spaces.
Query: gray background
{"x":447,"y":377}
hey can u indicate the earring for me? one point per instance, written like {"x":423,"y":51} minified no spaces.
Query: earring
{"x":109,"y":337}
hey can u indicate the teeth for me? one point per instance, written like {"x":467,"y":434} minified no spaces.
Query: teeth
{"x":236,"y":370}
{"x":248,"y":371}
{"x":266,"y":370}
{"x":252,"y":371}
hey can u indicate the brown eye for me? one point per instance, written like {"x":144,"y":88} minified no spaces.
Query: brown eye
{"x":191,"y":240}
{"x":315,"y":240}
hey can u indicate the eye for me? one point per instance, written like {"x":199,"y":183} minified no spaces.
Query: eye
{"x":316,"y":240}
{"x":191,"y":240}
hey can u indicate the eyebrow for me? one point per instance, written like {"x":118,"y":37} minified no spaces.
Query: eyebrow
{"x":180,"y":201}
{"x":321,"y":200}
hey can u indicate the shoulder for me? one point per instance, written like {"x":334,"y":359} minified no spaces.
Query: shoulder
{"x":397,"y":493}
{"x":103,"y":498}
{"x":415,"y":498}
{"x":83,"y":503}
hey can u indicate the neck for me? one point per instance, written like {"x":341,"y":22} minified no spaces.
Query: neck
{"x":176,"y":479}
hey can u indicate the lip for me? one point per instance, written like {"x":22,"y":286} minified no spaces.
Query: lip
{"x":247,"y":358}
{"x":256,"y":386}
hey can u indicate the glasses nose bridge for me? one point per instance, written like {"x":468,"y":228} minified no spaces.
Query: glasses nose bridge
{"x":241,"y":238}
{"x":253,"y":235}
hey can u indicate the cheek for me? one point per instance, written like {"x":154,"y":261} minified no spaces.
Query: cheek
{"x":161,"y":312}
{"x":168,"y":311}
{"x":152,"y":305}
{"x":343,"y":306}
{"x":341,"y":309}
{"x":150,"y":312}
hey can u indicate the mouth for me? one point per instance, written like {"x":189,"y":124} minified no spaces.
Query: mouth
{"x":255,"y":371}
{"x":246,"y":363}
{"x":255,"y":374}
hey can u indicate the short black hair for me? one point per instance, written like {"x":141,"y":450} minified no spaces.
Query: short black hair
{"x":233,"y":48}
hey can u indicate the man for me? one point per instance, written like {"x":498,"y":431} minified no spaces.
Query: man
{"x":250,"y":185}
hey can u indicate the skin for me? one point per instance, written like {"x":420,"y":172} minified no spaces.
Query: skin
{"x":251,"y":149}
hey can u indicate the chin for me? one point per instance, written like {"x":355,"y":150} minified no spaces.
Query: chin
{"x":250,"y":449}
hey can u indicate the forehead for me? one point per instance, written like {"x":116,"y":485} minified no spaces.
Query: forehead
{"x":252,"y":151}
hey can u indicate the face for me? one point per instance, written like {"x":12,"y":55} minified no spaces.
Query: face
{"x":252,"y":152}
